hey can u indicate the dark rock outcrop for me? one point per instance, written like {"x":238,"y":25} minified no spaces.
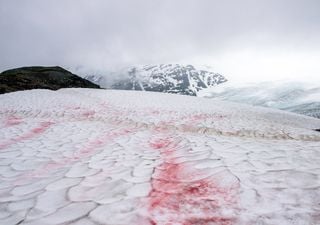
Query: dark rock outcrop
{"x":38,"y":77}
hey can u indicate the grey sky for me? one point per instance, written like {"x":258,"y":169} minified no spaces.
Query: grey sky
{"x":250,"y":39}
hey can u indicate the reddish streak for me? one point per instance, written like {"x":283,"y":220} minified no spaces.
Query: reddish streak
{"x":91,"y":147}
{"x":88,"y":150}
{"x":175,"y":201}
{"x":12,"y":121}
{"x":203,"y":117}
{"x":82,"y":113}
{"x":88,"y":113}
{"x":41,"y":128}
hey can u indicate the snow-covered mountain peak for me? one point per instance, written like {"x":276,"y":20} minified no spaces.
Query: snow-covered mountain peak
{"x":169,"y":78}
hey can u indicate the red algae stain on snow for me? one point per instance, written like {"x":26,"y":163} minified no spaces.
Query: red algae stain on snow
{"x":177,"y":197}
{"x":88,"y":113}
{"x":90,"y":148}
{"x":86,"y":151}
{"x":197,"y":202}
{"x":36,"y":131}
{"x":81,"y":113}
{"x":203,"y":116}
{"x":161,"y":143}
{"x":12,"y":121}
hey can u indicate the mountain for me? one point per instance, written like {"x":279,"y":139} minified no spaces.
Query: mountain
{"x":88,"y":156}
{"x":168,"y":78}
{"x":38,"y":77}
{"x":299,"y":98}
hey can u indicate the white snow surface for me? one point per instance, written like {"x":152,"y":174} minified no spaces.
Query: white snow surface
{"x":83,"y":156}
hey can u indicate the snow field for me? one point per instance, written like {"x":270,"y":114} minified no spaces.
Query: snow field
{"x":81,"y":156}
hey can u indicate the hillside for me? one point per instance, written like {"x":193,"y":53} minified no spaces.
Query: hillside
{"x":38,"y":77}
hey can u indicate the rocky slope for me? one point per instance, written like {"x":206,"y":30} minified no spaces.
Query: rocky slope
{"x":38,"y":77}
{"x":168,"y":78}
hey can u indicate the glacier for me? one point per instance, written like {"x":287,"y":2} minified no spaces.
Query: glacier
{"x":297,"y":97}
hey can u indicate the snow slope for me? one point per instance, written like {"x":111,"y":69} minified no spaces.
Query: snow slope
{"x":302,"y":98}
{"x":83,"y":156}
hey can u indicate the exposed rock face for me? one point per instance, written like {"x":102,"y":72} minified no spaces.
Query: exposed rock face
{"x":38,"y":77}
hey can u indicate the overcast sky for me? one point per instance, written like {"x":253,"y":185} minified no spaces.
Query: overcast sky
{"x":250,"y":40}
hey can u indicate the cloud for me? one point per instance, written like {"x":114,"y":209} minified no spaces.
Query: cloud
{"x":99,"y":34}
